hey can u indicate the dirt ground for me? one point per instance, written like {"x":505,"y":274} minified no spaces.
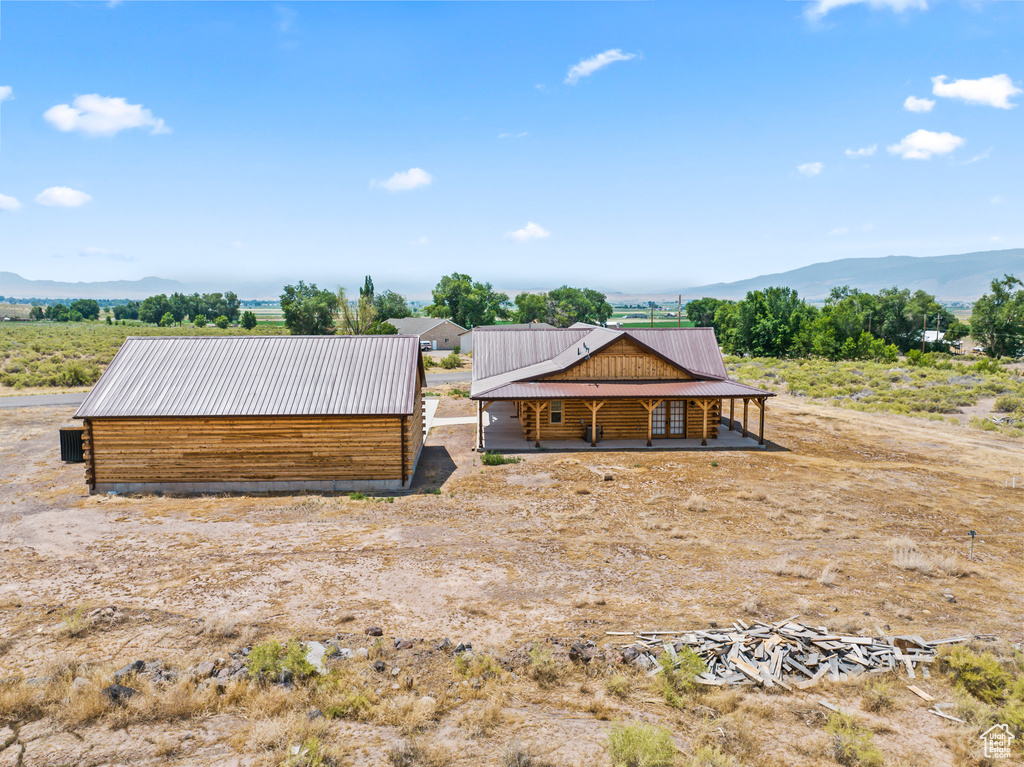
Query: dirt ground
{"x":504,"y":555}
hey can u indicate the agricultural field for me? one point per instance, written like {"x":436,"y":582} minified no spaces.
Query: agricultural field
{"x":70,"y":355}
{"x":972,"y":391}
{"x":853,"y":521}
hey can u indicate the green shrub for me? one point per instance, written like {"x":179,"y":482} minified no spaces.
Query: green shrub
{"x":295,"y":660}
{"x":199,"y":320}
{"x":980,"y":675}
{"x":852,"y":746}
{"x":451,"y":362}
{"x":710,"y":756}
{"x":640,"y":745}
{"x":222,"y":322}
{"x":543,"y":667}
{"x":248,"y":320}
{"x":497,"y":459}
{"x":1008,"y":404}
{"x":264,"y":659}
{"x":356,"y":496}
{"x":459,"y":393}
{"x":678,"y":675}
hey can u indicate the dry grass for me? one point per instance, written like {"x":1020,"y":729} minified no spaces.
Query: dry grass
{"x":828,"y":575}
{"x":785,"y":566}
{"x":481,"y":720}
{"x":916,"y":561}
{"x":409,"y":713}
{"x":879,"y":696}
{"x":418,"y":753}
{"x":697,"y":503}
{"x":752,"y":605}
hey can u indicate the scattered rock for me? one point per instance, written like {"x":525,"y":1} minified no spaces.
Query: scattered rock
{"x":395,"y":671}
{"x":315,"y":714}
{"x":136,"y":667}
{"x":285,"y":676}
{"x":344,"y":653}
{"x":629,"y":654}
{"x":608,"y":477}
{"x":374,"y":631}
{"x":403,"y":644}
{"x":950,"y":598}
{"x":713,"y":624}
{"x":118,"y":694}
{"x":578,"y":652}
{"x":463,"y":646}
{"x":643,"y":662}
{"x":444,"y":644}
{"x":396,"y":686}
{"x":362,"y":653}
{"x":379,"y":666}
{"x":205,"y":669}
{"x":315,"y":653}
{"x":79,"y":683}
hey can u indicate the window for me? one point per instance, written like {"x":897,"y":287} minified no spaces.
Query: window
{"x":556,"y":411}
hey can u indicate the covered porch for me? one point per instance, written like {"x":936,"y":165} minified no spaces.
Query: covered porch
{"x":500,"y":427}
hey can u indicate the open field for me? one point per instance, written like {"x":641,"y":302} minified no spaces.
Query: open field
{"x":852,"y":520}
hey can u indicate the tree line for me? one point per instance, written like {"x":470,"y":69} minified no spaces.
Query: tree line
{"x":853,"y":324}
{"x":309,"y":310}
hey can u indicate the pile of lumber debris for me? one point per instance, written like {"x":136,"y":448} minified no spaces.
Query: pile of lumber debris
{"x":787,"y":654}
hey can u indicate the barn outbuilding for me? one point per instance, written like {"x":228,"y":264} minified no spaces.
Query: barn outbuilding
{"x":627,"y":388}
{"x":256,"y":413}
{"x":440,"y":333}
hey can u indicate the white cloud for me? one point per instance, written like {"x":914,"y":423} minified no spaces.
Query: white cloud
{"x":838,"y":231}
{"x":8,"y":203}
{"x":821,"y":8}
{"x":62,"y":197}
{"x":102,"y":253}
{"x":419,"y":241}
{"x":914,"y":104}
{"x":404,"y":181}
{"x":524,"y":134}
{"x":96,"y":115}
{"x":6,"y":92}
{"x":978,"y":157}
{"x":811,"y":168}
{"x":587,"y":67}
{"x":863,"y":152}
{"x":991,"y":91}
{"x":529,"y":232}
{"x":922,"y":144}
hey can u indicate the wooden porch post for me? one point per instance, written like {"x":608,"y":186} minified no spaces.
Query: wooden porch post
{"x":649,"y":406}
{"x":594,"y":406}
{"x":479,"y":426}
{"x":732,"y":414}
{"x":746,"y":401}
{"x":539,"y":407}
{"x":760,"y":435}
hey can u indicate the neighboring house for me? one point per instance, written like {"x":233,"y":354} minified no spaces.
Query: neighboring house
{"x":442,"y":334}
{"x":256,"y":413}
{"x":466,"y":337}
{"x":601,"y":383}
{"x":931,"y":336}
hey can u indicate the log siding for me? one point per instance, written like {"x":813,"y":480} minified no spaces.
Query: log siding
{"x":623,"y":360}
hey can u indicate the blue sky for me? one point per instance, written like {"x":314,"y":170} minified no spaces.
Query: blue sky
{"x":694,"y":142}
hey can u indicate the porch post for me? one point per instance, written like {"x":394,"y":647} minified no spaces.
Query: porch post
{"x":537,"y":443}
{"x":732,"y":414}
{"x":479,"y":426}
{"x":760,"y":436}
{"x":594,"y":407}
{"x":746,"y":401}
{"x":704,"y":405}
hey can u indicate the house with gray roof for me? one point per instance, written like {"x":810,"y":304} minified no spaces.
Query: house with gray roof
{"x":441,"y":333}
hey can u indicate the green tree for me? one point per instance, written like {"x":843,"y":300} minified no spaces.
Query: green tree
{"x":199,"y":320}
{"x":467,"y":303}
{"x":154,"y":308}
{"x":36,"y":313}
{"x":358,"y":317}
{"x":703,"y":311}
{"x":167,"y":320}
{"x":87,"y":307}
{"x":57,"y":313}
{"x":531,"y":307}
{"x":308,"y":310}
{"x":248,"y":320}
{"x":180,"y":306}
{"x":772,"y":323}
{"x":222,"y":322}
{"x":567,"y":305}
{"x":126,"y":311}
{"x":997,"y":320}
{"x":391,"y":306}
{"x":231,"y":306}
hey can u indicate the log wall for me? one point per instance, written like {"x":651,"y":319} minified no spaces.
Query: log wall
{"x":283,"y":449}
{"x":618,"y":419}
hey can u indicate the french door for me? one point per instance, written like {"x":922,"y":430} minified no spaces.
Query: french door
{"x":669,"y":419}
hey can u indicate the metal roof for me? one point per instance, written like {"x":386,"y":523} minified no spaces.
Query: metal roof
{"x":259,"y":376}
{"x":512,"y":326}
{"x":505,"y":362}
{"x":626,"y":390}
{"x":418,"y":325}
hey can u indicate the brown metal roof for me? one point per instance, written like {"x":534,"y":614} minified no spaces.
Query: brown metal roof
{"x":259,"y":376}
{"x":626,"y":390}
{"x":506,"y":362}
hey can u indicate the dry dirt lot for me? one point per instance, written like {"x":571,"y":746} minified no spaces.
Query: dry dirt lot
{"x":542,"y":551}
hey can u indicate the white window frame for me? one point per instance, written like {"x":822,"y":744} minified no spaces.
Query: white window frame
{"x":551,"y":412}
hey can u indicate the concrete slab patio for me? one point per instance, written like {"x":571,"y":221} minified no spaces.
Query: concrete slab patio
{"x":504,"y":434}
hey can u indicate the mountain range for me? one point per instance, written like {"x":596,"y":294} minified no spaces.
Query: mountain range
{"x":962,"y":277}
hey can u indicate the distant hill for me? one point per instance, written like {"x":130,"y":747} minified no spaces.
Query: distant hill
{"x":963,"y":277}
{"x":15,"y":286}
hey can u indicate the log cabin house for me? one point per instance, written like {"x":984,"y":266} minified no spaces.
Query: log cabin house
{"x":590,"y":383}
{"x":256,"y":413}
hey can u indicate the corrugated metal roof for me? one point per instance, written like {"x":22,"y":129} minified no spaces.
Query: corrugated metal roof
{"x":259,"y":376}
{"x":512,"y":326}
{"x":502,"y":359}
{"x":626,"y":390}
{"x":419,"y":325}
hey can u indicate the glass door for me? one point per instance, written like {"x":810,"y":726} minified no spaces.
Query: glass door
{"x":677,"y":418}
{"x":658,"y":424}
